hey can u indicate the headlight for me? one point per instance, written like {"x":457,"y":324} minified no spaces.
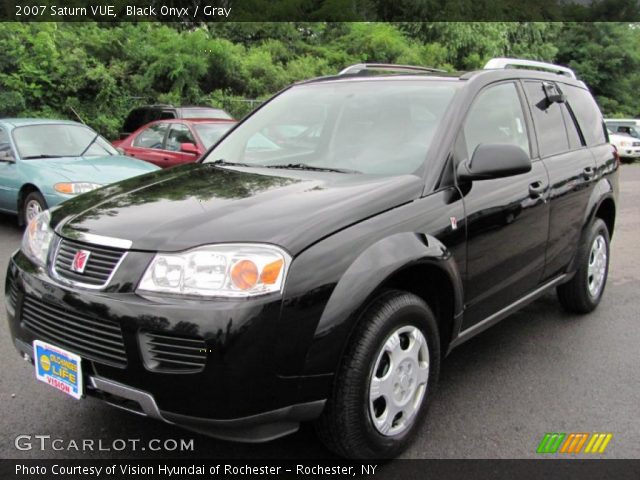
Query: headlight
{"x":232,"y":270}
{"x":37,"y":238}
{"x":75,"y":188}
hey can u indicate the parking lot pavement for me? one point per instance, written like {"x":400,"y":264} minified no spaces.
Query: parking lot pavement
{"x":541,"y":370}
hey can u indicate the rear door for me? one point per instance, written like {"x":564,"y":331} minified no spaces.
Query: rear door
{"x":507,"y":219}
{"x":572,"y":172}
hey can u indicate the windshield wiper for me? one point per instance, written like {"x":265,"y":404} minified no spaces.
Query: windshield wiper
{"x":33,"y":157}
{"x":224,"y":163}
{"x":304,"y":166}
{"x":89,"y":146}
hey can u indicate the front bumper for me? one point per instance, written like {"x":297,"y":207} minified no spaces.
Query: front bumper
{"x":237,"y":395}
{"x":629,"y":152}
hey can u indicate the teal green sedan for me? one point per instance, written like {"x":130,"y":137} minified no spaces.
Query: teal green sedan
{"x":45,"y":162}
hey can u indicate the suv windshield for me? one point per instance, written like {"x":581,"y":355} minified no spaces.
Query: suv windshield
{"x":375,"y":127}
{"x":59,"y":140}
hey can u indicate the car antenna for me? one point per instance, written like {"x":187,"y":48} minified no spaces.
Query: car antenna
{"x":77,"y":115}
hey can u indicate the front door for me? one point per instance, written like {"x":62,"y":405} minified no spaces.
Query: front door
{"x":9,"y":184}
{"x":507,"y":219}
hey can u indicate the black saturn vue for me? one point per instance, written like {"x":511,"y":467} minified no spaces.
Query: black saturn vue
{"x":325,"y":255}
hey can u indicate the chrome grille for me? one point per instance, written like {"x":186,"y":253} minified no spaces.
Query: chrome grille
{"x":178,"y":353}
{"x":100,"y":265}
{"x":89,"y":337}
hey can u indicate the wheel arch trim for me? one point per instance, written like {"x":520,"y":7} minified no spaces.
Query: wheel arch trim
{"x":375,"y":267}
{"x":602,"y":192}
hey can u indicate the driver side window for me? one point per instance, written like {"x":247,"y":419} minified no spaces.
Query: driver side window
{"x":496,"y":116}
{"x":6,"y":152}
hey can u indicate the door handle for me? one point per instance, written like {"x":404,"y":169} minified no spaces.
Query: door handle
{"x":536,"y":189}
{"x":588,"y":173}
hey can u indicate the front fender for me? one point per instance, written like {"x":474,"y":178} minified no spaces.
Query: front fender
{"x":363,"y":279}
{"x":377,"y":264}
{"x":330,"y":282}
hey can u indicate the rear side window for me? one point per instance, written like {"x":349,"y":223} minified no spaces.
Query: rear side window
{"x":572,"y":130}
{"x":548,"y":121}
{"x":134,"y":120}
{"x":496,"y":117}
{"x":587,"y":113}
{"x":164,"y":115}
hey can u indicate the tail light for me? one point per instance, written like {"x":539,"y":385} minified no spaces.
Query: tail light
{"x":616,"y":156}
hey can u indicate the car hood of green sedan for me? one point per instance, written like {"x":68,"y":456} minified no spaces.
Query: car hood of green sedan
{"x":102,"y":170}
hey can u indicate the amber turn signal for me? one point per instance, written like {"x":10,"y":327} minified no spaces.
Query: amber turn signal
{"x":271,"y":272}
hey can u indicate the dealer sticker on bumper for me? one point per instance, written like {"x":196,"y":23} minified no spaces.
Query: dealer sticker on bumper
{"x":58,"y":368}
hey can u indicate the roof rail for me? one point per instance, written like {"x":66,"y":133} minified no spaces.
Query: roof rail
{"x":361,"y":67}
{"x":518,"y":62}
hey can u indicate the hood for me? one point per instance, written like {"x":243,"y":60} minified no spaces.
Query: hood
{"x":197,"y":204}
{"x":103,"y":170}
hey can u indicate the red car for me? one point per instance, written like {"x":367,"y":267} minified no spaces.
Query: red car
{"x":167,"y":143}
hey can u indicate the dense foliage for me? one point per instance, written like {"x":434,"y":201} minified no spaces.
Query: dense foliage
{"x":99,"y":72}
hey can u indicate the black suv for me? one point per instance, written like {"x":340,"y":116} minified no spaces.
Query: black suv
{"x":325,"y":255}
{"x":148,"y":113}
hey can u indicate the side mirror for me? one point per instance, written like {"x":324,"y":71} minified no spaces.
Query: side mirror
{"x":189,"y":148}
{"x":7,"y":157}
{"x":494,"y":160}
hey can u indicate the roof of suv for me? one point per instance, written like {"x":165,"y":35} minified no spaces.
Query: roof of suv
{"x":498,"y":68}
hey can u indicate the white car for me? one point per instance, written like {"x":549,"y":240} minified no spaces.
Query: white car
{"x":628,"y":146}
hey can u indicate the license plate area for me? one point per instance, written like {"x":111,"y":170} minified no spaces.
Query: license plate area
{"x":58,"y":368}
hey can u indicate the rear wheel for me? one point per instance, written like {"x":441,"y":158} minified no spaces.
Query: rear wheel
{"x":583,"y":292}
{"x":33,"y":205}
{"x":385,"y":382}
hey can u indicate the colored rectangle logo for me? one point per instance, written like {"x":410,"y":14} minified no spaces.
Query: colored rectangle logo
{"x":574,"y":443}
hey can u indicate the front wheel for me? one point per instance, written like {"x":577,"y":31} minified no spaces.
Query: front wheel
{"x":34,"y":204}
{"x":583,"y":292}
{"x":385,"y":381}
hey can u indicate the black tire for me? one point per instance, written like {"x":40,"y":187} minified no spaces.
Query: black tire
{"x":575,"y":295}
{"x":346,"y":426}
{"x":34,"y":196}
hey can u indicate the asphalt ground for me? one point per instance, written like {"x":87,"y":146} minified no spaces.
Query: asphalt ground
{"x":541,"y":370}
